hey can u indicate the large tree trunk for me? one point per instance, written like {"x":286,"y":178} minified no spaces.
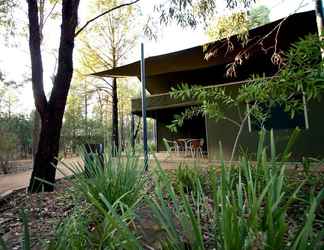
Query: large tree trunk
{"x":114,"y":136}
{"x":51,"y":112}
{"x":36,"y":132}
{"x":46,"y":156}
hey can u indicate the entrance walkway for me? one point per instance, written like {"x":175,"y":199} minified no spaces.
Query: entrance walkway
{"x":12,"y":182}
{"x":20,"y":180}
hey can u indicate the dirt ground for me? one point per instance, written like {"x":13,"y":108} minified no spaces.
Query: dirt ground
{"x":46,"y":210}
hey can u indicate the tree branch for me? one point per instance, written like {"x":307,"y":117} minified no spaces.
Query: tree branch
{"x":102,"y":14}
{"x":64,"y":73}
{"x":50,"y":12}
{"x":36,"y":57}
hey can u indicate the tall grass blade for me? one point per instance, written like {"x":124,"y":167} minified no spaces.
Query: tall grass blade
{"x":292,"y":140}
{"x":3,"y":245}
{"x":25,"y":241}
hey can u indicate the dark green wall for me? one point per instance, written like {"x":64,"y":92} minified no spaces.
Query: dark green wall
{"x":309,"y":144}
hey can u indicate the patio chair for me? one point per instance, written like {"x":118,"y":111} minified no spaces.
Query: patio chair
{"x":171,"y":146}
{"x":182,"y":146}
{"x":195,"y":147}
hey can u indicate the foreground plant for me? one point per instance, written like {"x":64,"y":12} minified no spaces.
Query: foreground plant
{"x":248,"y":208}
{"x":119,"y":179}
{"x":97,"y":227}
{"x":178,"y":216}
{"x":111,"y":188}
{"x":187,"y":178}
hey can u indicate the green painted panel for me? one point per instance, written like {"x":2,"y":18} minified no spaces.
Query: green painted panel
{"x":158,"y":102}
{"x":309,"y":144}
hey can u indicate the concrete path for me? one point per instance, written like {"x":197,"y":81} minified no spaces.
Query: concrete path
{"x":12,"y":182}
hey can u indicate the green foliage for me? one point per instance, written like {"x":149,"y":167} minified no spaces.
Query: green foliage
{"x":211,"y":103}
{"x":25,"y":241}
{"x":100,"y":228}
{"x":25,"y":237}
{"x":187,"y":177}
{"x":7,"y":148}
{"x":112,"y":188}
{"x":15,"y":128}
{"x":307,"y":239}
{"x":7,"y":20}
{"x":174,"y":212}
{"x":300,"y":74}
{"x":119,"y":180}
{"x":15,"y":137}
{"x":73,"y":232}
{"x":253,"y":209}
{"x":191,"y":13}
{"x":249,"y":207}
{"x":259,"y":16}
{"x":239,"y":23}
{"x":226,"y":26}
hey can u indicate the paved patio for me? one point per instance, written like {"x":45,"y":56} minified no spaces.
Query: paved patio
{"x":11,"y":182}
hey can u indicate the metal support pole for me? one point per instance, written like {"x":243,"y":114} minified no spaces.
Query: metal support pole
{"x":132,"y":133}
{"x":305,"y":112}
{"x":144,"y":107}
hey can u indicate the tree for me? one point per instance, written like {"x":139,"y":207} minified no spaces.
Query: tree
{"x":113,"y":42}
{"x":259,"y":16}
{"x":7,"y":147}
{"x":7,"y":21}
{"x":226,"y":26}
{"x":238,"y":23}
{"x":192,"y":13}
{"x":73,"y":120}
{"x":51,"y":111}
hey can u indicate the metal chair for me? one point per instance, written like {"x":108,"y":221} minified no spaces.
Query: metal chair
{"x":196,"y":147}
{"x":182,"y":146}
{"x":171,"y":146}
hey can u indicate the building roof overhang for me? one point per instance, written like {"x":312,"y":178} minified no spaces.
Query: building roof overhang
{"x":260,"y":39}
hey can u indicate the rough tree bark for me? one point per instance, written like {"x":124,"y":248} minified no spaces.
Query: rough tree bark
{"x":51,"y":111}
{"x":35,"y":136}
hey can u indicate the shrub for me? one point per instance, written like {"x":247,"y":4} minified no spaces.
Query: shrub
{"x":101,"y":228}
{"x":187,"y":178}
{"x":178,"y":216}
{"x":111,"y":187}
{"x":248,"y":208}
{"x":117,"y":179}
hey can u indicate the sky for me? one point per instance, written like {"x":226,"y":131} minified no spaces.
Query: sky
{"x":15,"y":61}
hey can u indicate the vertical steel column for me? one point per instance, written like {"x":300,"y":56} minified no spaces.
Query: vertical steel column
{"x":132,"y":133}
{"x":144,"y":107}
